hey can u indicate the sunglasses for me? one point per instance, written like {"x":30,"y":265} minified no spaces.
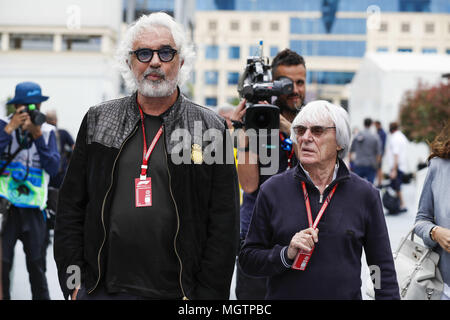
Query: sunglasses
{"x":145,"y":55}
{"x":316,"y":131}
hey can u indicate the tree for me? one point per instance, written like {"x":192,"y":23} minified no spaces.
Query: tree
{"x":425,"y":111}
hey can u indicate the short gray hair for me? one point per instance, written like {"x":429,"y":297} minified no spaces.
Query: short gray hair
{"x":320,"y":111}
{"x":146,"y":23}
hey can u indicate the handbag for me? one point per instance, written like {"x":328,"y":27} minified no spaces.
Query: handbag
{"x":418,"y":275}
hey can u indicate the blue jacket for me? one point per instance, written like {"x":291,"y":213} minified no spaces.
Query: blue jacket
{"x":44,"y":152}
{"x":353,"y":220}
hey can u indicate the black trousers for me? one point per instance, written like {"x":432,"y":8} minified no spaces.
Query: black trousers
{"x":27,"y":225}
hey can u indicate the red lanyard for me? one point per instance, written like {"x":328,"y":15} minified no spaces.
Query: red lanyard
{"x":322,"y":210}
{"x":147,"y":153}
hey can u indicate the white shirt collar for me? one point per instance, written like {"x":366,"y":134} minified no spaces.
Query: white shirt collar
{"x":336,"y":168}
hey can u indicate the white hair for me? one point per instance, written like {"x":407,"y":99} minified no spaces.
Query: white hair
{"x":147,"y":23}
{"x":318,"y":113}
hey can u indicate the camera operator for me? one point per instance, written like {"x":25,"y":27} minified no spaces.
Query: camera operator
{"x":29,"y":157}
{"x":288,"y":64}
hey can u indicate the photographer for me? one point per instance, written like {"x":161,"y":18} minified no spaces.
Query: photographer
{"x":288,"y":64}
{"x":29,"y":157}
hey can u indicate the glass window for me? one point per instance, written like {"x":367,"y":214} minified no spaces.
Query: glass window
{"x":329,"y":48}
{"x":81,"y":43}
{"x":329,"y":77}
{"x":405,"y":27}
{"x":211,"y":77}
{"x":316,"y":26}
{"x":233,"y":78}
{"x":234,"y":52}
{"x":39,"y":42}
{"x":404,"y":50}
{"x":429,"y":50}
{"x":273,"y":51}
{"x":255,"y":26}
{"x":429,"y":27}
{"x":383,"y":27}
{"x":212,"y":52}
{"x":361,"y":5}
{"x":414,"y":5}
{"x":212,"y":25}
{"x":211,"y":101}
{"x":234,"y":25}
{"x":274,"y":26}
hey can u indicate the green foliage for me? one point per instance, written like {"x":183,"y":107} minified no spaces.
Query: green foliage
{"x":425,"y":111}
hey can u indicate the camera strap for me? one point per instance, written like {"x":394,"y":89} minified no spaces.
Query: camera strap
{"x":11,"y":157}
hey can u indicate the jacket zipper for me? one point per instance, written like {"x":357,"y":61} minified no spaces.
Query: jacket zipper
{"x":103,"y":208}
{"x":178,"y":224}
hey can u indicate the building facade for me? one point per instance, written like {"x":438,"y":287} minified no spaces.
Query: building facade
{"x":65,"y":46}
{"x":332,"y":35}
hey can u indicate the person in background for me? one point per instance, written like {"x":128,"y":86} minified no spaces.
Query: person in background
{"x":323,"y":212}
{"x":286,"y":63}
{"x":226,"y":112}
{"x":29,"y":158}
{"x":382,"y":134}
{"x":366,"y":152}
{"x":396,"y":149}
{"x":433,"y":216}
{"x":65,"y":145}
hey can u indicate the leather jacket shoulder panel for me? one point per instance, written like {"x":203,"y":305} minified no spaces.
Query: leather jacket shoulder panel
{"x":110,"y":122}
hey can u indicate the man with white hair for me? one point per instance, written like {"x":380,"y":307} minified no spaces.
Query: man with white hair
{"x":310,"y":224}
{"x":133,"y":222}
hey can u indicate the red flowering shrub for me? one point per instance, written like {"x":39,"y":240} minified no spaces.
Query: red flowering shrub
{"x":424,"y":112}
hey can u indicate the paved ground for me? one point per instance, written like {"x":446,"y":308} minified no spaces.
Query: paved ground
{"x":398,"y":226}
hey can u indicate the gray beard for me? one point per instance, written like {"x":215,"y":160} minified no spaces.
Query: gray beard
{"x":157,"y":89}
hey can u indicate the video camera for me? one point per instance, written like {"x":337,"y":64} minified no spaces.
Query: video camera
{"x":37,"y":117}
{"x":256,"y":85}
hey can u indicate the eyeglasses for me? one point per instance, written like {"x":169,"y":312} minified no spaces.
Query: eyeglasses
{"x":145,"y":55}
{"x":316,"y":131}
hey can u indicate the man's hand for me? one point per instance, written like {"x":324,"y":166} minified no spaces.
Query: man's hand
{"x":303,"y":240}
{"x":239,"y":111}
{"x":17,"y":120}
{"x":442,"y":236}
{"x":285,"y":125}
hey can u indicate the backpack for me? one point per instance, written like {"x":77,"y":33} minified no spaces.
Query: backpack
{"x":390,"y":201}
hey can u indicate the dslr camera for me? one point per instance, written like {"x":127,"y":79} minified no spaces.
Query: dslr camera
{"x":256,"y":85}
{"x":37,"y":117}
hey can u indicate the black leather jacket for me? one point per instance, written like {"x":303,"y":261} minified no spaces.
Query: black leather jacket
{"x":206,"y":198}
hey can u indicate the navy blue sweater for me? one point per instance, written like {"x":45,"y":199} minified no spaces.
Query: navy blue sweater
{"x":353,"y":220}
